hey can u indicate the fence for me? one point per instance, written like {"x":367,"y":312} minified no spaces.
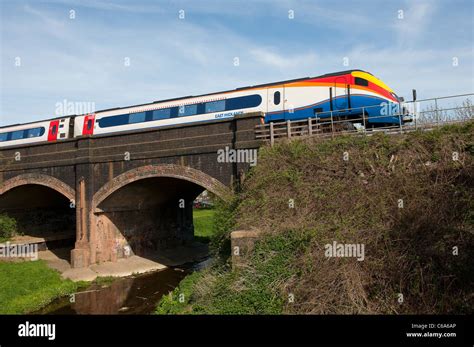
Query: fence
{"x":422,"y":114}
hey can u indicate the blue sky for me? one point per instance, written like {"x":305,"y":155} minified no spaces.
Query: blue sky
{"x":83,"y":59}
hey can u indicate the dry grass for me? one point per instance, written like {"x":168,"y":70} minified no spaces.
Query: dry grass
{"x":408,"y":250}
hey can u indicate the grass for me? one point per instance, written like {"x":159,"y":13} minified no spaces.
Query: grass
{"x":105,"y":280}
{"x":203,"y":221}
{"x":218,"y":291}
{"x":177,"y":301}
{"x":27,"y":286}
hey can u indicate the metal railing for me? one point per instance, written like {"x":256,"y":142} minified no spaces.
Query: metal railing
{"x":422,"y":114}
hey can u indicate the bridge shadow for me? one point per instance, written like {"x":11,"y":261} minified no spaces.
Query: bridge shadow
{"x":151,"y":218}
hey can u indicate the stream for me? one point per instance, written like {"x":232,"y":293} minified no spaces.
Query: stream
{"x":138,"y":294}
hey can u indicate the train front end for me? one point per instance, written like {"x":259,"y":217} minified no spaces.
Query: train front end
{"x":381,"y":106}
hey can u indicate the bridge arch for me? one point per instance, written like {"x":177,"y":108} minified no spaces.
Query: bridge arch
{"x":163,"y":170}
{"x":41,"y":206}
{"x":147,"y":210}
{"x":39,"y":179}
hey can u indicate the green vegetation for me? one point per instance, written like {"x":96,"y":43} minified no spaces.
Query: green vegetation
{"x":177,"y":301}
{"x":218,"y":291}
{"x":408,"y":199}
{"x":28,"y":286}
{"x":203,"y":219}
{"x":105,"y":280}
{"x":8,"y":227}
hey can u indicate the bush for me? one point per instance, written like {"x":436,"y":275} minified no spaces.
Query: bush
{"x":8,"y":226}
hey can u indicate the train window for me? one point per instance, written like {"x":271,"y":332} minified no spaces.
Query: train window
{"x":35,"y":132}
{"x":113,"y":121}
{"x":137,"y":117}
{"x":276,"y":98}
{"x":187,"y":110}
{"x":164,"y":113}
{"x":89,"y":124}
{"x":22,"y":134}
{"x":215,"y":106}
{"x":17,"y":135}
{"x":361,"y":82}
{"x":243,"y":102}
{"x":53,"y":131}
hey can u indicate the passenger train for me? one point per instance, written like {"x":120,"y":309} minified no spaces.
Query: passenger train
{"x":346,"y":95}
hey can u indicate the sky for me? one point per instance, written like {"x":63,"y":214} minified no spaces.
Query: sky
{"x":119,"y":53}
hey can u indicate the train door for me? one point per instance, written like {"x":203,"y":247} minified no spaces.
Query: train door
{"x":275,"y":102}
{"x":88,"y":126}
{"x":340,"y":96}
{"x":53,"y":130}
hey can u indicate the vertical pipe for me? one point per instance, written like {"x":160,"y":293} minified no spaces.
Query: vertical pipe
{"x":288,"y":128}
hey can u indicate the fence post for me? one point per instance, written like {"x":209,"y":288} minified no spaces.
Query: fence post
{"x":272,"y":136}
{"x":332,"y":126}
{"x":415,"y":115}
{"x":288,"y":128}
{"x":363,"y":121}
{"x":436,"y":110}
{"x":400,"y":117}
{"x":310,"y":126}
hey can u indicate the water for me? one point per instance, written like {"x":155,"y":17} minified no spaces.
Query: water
{"x":130,"y":295}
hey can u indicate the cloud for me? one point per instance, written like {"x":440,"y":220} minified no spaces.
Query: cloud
{"x":412,"y":24}
{"x":83,"y":59}
{"x":269,"y":58}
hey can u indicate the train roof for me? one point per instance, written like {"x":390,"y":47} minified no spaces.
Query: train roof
{"x":200,"y":95}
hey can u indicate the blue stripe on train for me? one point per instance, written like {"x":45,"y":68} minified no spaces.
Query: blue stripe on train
{"x":322,"y":109}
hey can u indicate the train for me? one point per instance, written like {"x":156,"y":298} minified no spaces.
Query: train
{"x":347,"y":96}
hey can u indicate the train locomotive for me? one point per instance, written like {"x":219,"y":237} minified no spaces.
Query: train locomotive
{"x":347,"y":96}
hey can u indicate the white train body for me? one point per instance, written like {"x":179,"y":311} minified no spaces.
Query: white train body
{"x":45,"y":131}
{"x":161,"y":114}
{"x":341,"y":94}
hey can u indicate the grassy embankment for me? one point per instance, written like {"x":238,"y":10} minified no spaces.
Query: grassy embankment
{"x":28,"y":286}
{"x":407,"y":198}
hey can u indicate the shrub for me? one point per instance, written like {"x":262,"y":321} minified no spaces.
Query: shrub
{"x":8,"y":227}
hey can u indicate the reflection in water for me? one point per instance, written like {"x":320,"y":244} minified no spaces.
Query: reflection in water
{"x":132,"y":295}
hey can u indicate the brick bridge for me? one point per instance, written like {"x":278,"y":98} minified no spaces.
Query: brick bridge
{"x":122,"y":194}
